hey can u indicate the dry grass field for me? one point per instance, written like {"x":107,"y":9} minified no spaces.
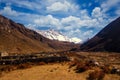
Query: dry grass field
{"x":50,"y":72}
{"x":45,"y":72}
{"x":67,"y":70}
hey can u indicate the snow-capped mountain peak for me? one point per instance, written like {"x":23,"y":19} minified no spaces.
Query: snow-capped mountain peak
{"x":55,"y":35}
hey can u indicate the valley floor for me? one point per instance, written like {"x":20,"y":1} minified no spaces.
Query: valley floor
{"x":62,"y":71}
{"x":56,"y":71}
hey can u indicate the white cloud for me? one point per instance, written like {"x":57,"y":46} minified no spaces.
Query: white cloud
{"x":73,"y":33}
{"x":58,"y":6}
{"x":97,"y":12}
{"x":24,"y":18}
{"x":47,"y":21}
{"x":70,"y":19}
{"x":67,"y":23}
{"x":71,"y":22}
{"x":62,"y":7}
{"x":87,"y":33}
{"x":83,"y":35}
{"x":8,"y":11}
{"x":108,"y":4}
{"x":76,"y":22}
{"x":24,"y":4}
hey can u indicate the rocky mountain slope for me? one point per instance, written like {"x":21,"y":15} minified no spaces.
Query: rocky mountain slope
{"x":15,"y":38}
{"x":108,"y":39}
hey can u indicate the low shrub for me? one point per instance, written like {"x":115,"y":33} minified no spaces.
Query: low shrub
{"x":81,"y":67}
{"x":41,"y":63}
{"x":7,"y":68}
{"x":24,"y":66}
{"x":96,"y":75}
{"x":110,"y":70}
{"x":106,"y":69}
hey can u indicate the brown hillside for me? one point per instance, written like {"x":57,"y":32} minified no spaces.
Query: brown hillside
{"x":15,"y":38}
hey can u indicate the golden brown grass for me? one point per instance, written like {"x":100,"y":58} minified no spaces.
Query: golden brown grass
{"x":45,"y":72}
{"x":67,"y":71}
{"x":54,"y":71}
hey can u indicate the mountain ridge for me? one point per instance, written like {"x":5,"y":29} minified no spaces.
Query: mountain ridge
{"x":56,"y":35}
{"x":107,"y":39}
{"x":16,"y":38}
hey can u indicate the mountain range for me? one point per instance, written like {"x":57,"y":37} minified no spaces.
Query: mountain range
{"x":56,"y":35}
{"x":16,"y":38}
{"x":108,"y":39}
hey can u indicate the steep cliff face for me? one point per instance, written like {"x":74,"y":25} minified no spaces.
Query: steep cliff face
{"x":108,"y":39}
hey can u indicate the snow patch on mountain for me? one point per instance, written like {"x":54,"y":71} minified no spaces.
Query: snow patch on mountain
{"x":55,"y":35}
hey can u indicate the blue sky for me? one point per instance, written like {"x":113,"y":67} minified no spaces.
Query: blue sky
{"x":74,"y":18}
